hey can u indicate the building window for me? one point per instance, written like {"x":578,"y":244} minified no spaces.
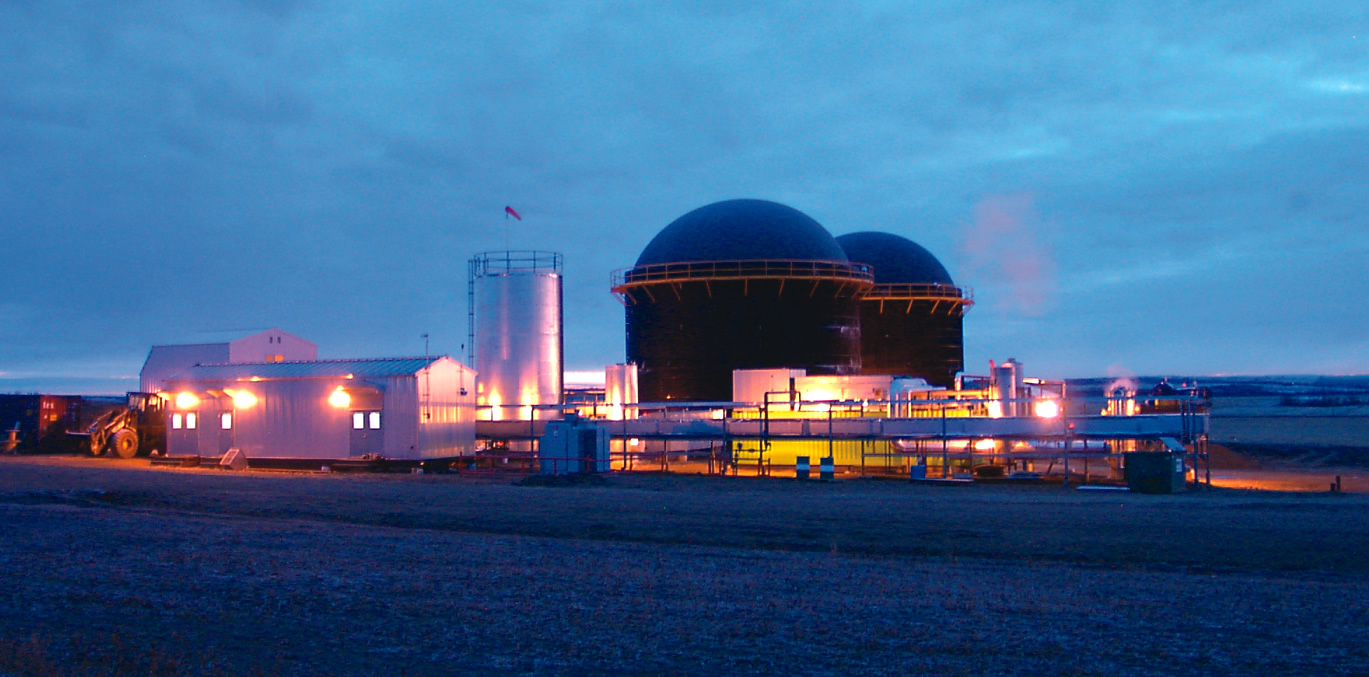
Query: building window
{"x":361,"y":420}
{"x":190,"y":420}
{"x":176,"y":422}
{"x":226,"y":420}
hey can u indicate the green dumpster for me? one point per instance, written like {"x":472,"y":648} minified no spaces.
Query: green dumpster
{"x":1155,"y":472}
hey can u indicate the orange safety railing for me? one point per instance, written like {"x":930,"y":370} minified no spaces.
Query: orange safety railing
{"x":737,"y":270}
{"x":947,"y":292}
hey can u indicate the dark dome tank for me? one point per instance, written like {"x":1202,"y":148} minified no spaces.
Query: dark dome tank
{"x":742,"y":230}
{"x":896,"y":259}
{"x":912,"y":319}
{"x":740,"y":284}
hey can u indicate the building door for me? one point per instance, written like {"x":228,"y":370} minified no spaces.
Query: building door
{"x":367,"y":434}
{"x":183,"y":437}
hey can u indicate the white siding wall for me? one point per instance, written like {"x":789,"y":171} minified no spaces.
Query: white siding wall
{"x":163,"y":361}
{"x":399,"y":418}
{"x":292,"y":417}
{"x":450,"y":428}
{"x":264,"y":347}
{"x":751,"y":385}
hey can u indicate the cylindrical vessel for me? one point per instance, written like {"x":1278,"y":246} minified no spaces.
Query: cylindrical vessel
{"x":912,"y":319}
{"x":620,"y":390}
{"x":1005,"y":387}
{"x":518,"y":340}
{"x":741,"y":284}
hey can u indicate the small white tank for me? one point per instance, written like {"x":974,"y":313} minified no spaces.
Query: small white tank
{"x":1007,"y":386}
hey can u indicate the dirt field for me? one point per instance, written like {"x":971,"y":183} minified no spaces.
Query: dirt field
{"x":1304,"y":430}
{"x":118,"y":568}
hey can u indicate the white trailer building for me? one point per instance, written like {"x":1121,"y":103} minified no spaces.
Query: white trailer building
{"x":394,"y":408}
{"x":271,"y":345}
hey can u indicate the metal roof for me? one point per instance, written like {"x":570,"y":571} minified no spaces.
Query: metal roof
{"x":365,"y":368}
{"x":216,"y":337}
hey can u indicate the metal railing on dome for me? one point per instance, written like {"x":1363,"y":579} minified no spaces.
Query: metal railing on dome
{"x":738,"y":270}
{"x":948,"y":292}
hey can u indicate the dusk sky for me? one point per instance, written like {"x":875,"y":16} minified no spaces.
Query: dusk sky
{"x":1128,"y":188}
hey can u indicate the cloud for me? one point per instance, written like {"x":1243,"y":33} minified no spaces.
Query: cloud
{"x":1006,"y":248}
{"x":330,"y":167}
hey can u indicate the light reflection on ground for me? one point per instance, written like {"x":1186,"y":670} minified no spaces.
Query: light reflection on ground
{"x":1352,"y":480}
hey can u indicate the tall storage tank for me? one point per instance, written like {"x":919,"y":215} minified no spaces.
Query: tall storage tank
{"x":740,"y":284}
{"x":912,"y":319}
{"x":517,"y":342}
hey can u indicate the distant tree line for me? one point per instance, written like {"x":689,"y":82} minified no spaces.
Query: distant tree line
{"x":1321,"y":401}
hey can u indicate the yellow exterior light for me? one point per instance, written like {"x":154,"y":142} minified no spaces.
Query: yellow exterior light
{"x":984,"y":445}
{"x":1048,"y":408}
{"x":340,"y":399}
{"x":818,"y":395}
{"x":187,"y":401}
{"x":243,"y":399}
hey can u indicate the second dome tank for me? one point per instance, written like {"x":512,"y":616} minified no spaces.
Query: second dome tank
{"x":912,"y":318}
{"x":739,"y":284}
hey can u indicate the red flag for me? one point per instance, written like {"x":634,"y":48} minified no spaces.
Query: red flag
{"x":509,"y":212}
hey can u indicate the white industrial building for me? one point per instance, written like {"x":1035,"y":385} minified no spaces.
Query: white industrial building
{"x":393,"y":408}
{"x":271,"y":345}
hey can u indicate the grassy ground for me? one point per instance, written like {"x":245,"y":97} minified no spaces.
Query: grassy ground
{"x":117,"y":568}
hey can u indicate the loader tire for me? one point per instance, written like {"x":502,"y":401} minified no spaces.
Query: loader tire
{"x":125,"y":443}
{"x":97,"y":446}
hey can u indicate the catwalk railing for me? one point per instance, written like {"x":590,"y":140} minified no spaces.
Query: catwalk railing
{"x":739,"y":270}
{"x":1181,"y":418}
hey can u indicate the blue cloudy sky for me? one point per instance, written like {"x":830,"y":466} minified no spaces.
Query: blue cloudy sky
{"x":1127,"y":187}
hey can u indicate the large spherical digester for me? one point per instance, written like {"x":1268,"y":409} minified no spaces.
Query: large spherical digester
{"x":912,"y":319}
{"x":740,"y":284}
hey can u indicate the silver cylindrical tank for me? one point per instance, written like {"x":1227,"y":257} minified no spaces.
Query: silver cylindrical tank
{"x":1007,"y":387}
{"x":620,"y":390}
{"x":517,"y":337}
